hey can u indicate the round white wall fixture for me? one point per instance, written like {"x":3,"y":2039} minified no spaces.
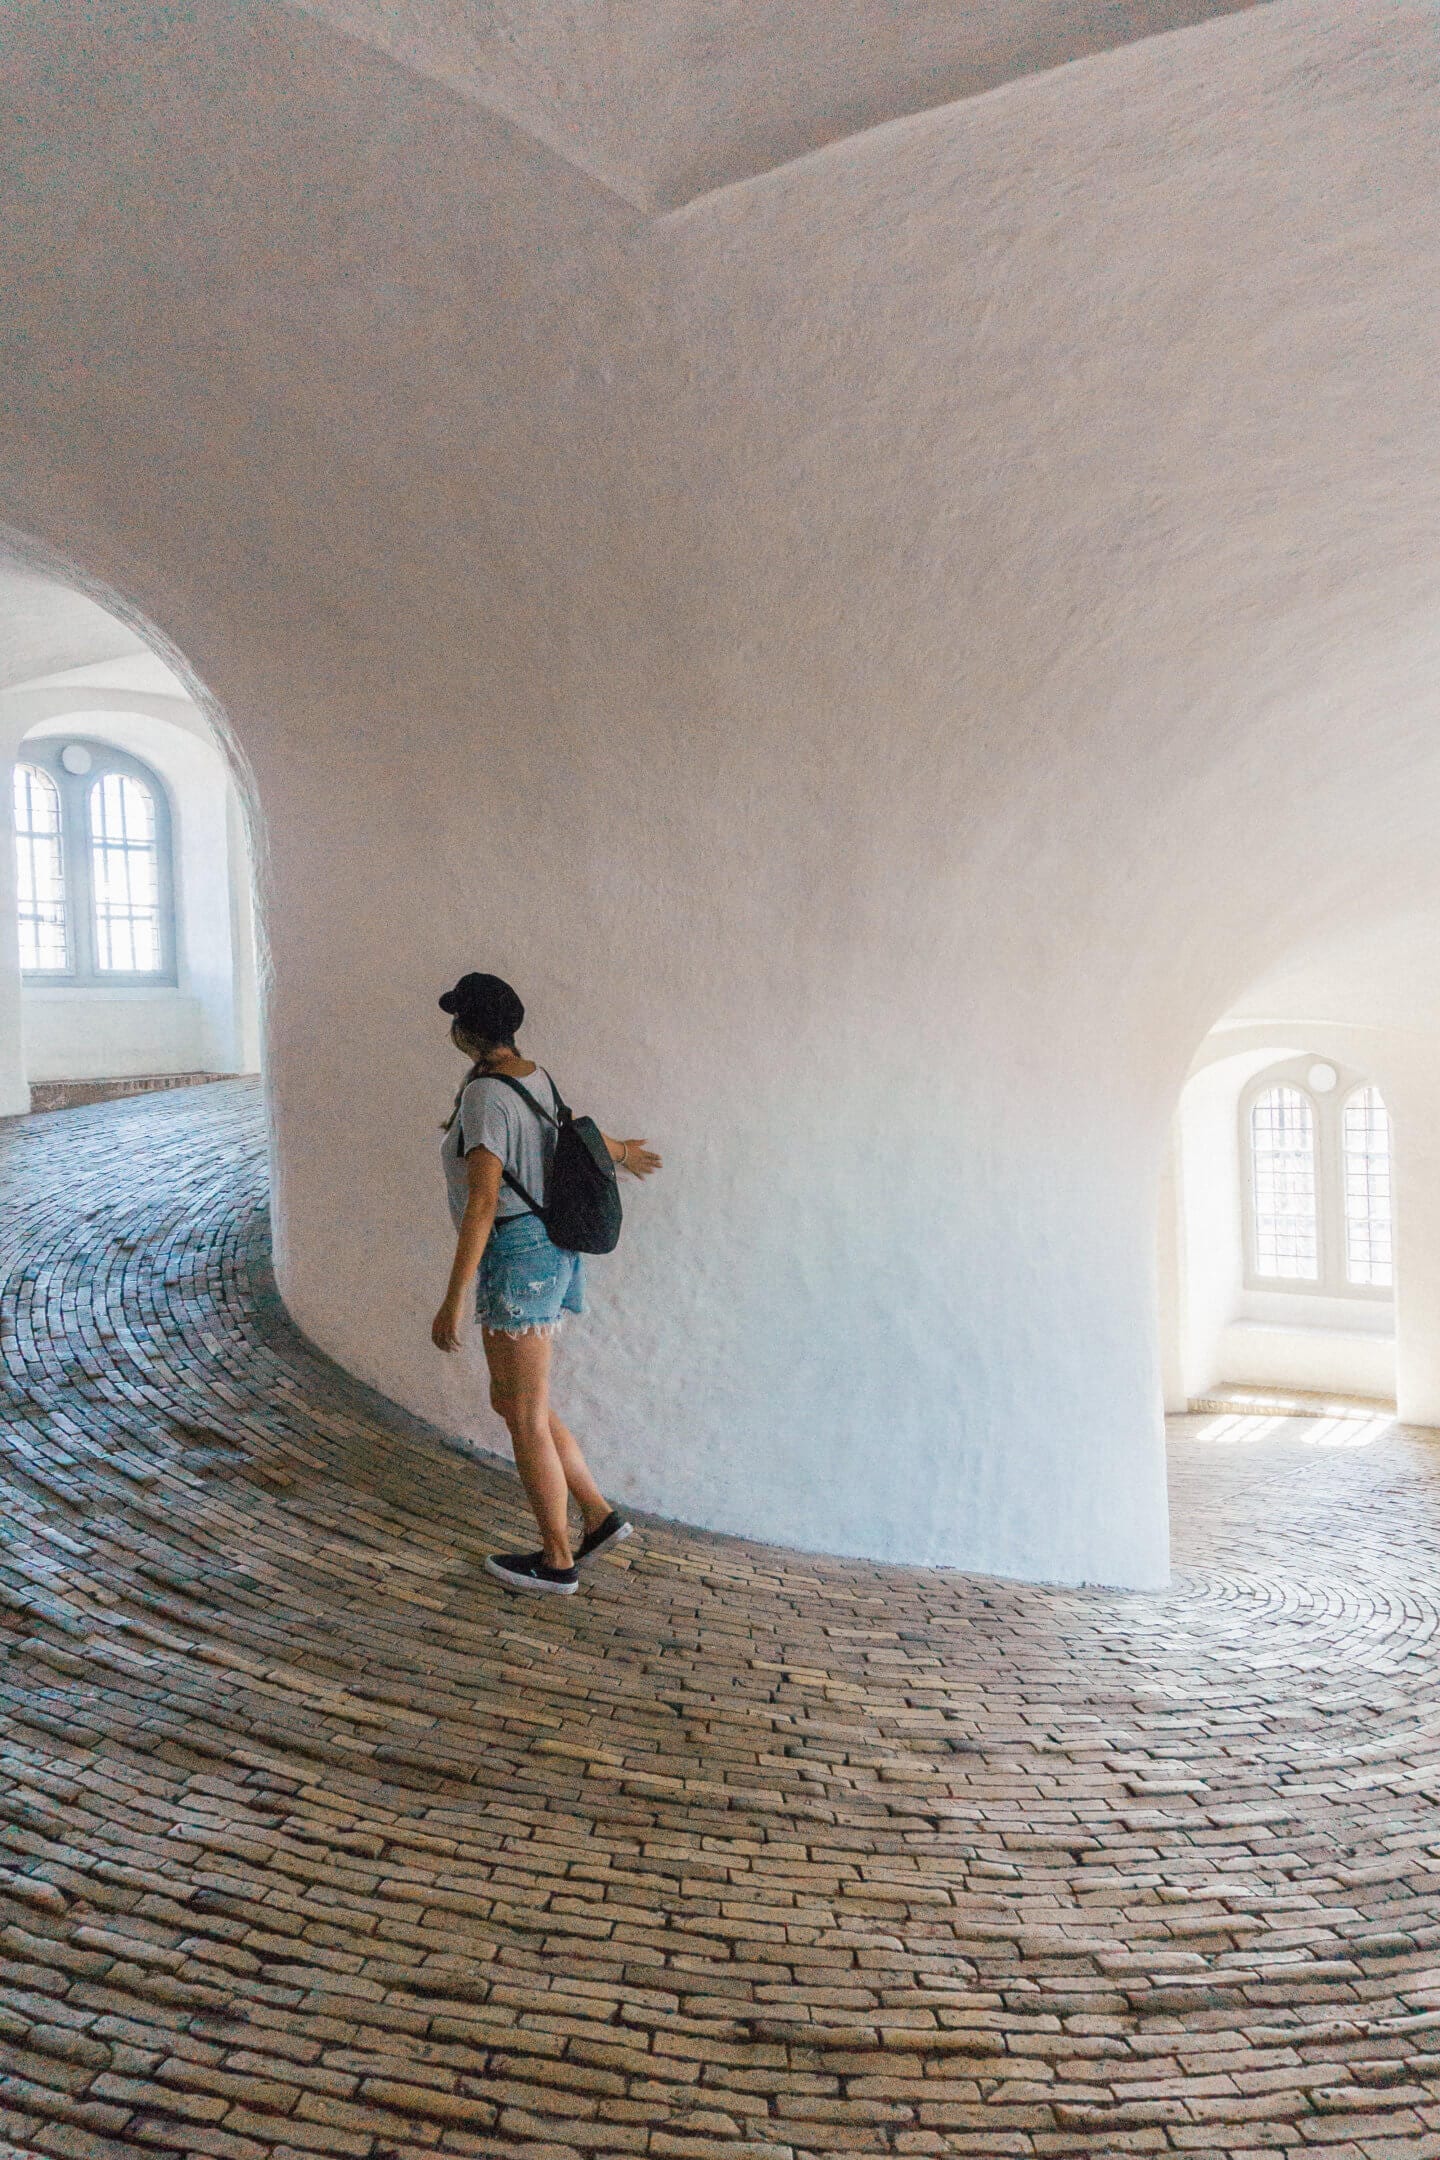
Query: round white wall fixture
{"x":1322,"y":1078}
{"x":76,"y":758}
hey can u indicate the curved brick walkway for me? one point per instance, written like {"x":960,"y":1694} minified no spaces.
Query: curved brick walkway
{"x":317,"y":1843}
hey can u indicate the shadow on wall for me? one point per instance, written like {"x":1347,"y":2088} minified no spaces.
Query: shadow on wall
{"x":129,"y":953}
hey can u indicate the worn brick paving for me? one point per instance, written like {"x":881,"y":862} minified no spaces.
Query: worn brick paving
{"x":315,"y":1842}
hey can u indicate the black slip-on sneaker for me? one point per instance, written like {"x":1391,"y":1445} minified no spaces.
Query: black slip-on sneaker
{"x":610,"y":1532}
{"x":531,"y":1571}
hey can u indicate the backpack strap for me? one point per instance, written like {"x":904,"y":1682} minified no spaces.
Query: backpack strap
{"x":530,"y":1201}
{"x":524,"y":1093}
{"x":563,"y":1116}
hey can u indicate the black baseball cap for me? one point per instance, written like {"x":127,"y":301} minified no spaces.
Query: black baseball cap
{"x":485,"y":1006}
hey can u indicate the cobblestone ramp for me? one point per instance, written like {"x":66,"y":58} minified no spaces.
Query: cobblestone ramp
{"x":317,"y":1843}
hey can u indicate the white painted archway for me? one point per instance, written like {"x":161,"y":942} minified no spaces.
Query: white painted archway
{"x":881,"y":654}
{"x":210,"y":1019}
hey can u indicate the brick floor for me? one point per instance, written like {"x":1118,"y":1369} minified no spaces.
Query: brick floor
{"x":316,"y":1843}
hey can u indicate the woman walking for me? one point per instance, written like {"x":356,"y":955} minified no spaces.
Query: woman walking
{"x":498,"y":1149}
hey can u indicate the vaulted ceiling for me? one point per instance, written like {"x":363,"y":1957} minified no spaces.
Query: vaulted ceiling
{"x":45,"y":626}
{"x":665,"y":100}
{"x":1049,"y":385}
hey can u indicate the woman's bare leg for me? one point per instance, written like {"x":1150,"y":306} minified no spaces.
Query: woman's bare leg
{"x":520,"y":1392}
{"x":588,"y":1497}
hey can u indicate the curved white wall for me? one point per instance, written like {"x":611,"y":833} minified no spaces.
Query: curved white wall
{"x":880,"y":657}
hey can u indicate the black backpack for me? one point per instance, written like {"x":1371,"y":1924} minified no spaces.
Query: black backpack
{"x":582,"y":1212}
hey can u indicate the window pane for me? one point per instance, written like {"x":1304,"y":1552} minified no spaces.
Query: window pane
{"x":1282,"y":1153}
{"x":44,"y":940}
{"x":1369,"y":1255}
{"x":125,"y":873}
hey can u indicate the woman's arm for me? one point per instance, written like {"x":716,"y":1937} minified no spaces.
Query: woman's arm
{"x":484,"y":1172}
{"x":632,"y":1155}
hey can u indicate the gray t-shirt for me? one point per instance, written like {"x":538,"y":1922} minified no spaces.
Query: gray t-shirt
{"x":493,"y":1116}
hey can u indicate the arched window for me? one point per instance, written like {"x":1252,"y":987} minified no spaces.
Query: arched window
{"x":95,"y":873}
{"x":1283,"y":1185}
{"x":1369,"y":1253}
{"x":1315,"y":1144}
{"x":40,"y":865}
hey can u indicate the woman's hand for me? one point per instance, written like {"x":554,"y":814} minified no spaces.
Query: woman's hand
{"x":637,"y":1158}
{"x":445,"y":1328}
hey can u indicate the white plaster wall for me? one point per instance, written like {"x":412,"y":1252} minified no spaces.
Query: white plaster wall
{"x":1172,"y":1284}
{"x":881,"y":657}
{"x":85,"y":1034}
{"x":1208,"y":1184}
{"x":1415,"y":1095}
{"x":240,"y":1035}
{"x":1306,"y":1355}
{"x":14,"y":1081}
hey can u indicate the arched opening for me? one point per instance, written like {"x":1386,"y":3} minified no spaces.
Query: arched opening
{"x":127,"y":912}
{"x":1281,"y":1227}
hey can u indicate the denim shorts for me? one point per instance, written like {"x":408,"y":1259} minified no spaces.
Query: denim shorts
{"x":525,"y":1281}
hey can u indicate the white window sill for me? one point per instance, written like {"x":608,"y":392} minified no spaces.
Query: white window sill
{"x":1376,"y":1323}
{"x":61,"y":993}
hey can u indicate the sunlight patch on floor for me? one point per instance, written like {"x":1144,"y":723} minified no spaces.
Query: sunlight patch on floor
{"x":1232,"y":1397}
{"x":1344,"y":1430}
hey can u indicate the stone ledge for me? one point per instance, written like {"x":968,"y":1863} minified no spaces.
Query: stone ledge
{"x":72,"y":1094}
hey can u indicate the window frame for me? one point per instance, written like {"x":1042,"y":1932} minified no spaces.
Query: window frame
{"x":1274,"y":1085}
{"x":1350,"y":1097}
{"x":26,"y":838}
{"x":1327,"y":1116}
{"x":78,"y":884}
